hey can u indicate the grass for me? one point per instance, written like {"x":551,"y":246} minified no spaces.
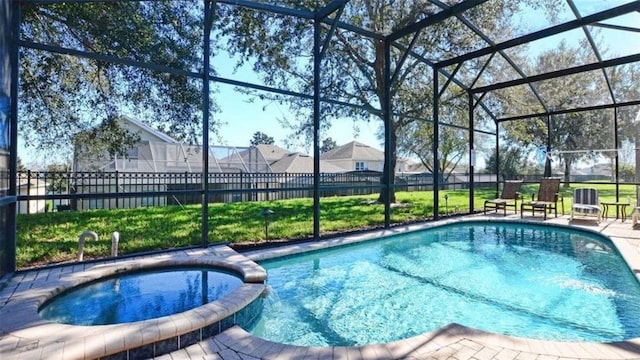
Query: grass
{"x":53,"y":237}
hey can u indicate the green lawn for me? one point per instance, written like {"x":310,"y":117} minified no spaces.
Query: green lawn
{"x":53,"y":237}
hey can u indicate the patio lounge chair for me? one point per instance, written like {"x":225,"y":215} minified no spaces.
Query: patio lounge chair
{"x":585,"y":202}
{"x":508,"y":198}
{"x":547,"y":199}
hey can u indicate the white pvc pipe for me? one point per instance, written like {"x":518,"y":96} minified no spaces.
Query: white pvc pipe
{"x":115,"y":239}
{"x":81,"y":240}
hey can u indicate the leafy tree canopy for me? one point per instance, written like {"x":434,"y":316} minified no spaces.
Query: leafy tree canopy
{"x":261,"y":138}
{"x":20,"y":166}
{"x":104,"y":141}
{"x":513,"y":163}
{"x":327,"y":144}
{"x":62,"y":96}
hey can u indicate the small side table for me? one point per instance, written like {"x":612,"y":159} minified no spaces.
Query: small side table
{"x":621,"y":208}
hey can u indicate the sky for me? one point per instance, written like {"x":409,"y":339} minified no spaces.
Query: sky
{"x":242,"y":118}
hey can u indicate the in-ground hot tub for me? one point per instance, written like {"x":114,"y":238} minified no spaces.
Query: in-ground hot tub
{"x":228,"y":286}
{"x":140,"y":295}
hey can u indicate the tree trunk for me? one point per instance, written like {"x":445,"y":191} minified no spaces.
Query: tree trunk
{"x":547,"y":166}
{"x":380,"y":81}
{"x":383,"y":192}
{"x":567,"y":173}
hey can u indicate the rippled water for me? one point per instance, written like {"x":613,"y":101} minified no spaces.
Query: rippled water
{"x":529,"y":281}
{"x":139,"y":296}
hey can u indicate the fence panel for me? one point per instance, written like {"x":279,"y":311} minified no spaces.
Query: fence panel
{"x":62,"y":191}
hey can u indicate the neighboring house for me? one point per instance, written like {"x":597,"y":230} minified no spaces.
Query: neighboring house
{"x":258,"y":159}
{"x":602,"y":169}
{"x":159,"y":163}
{"x":159,"y":153}
{"x":33,"y":187}
{"x":272,"y":153}
{"x":416,"y":168}
{"x":297,"y":163}
{"x":356,"y":156}
{"x":142,"y":158}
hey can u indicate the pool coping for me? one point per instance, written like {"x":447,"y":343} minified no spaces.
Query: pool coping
{"x":38,"y":339}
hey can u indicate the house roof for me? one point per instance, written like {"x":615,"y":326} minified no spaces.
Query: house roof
{"x":301,"y":163}
{"x":417,"y":168}
{"x":354,"y":150}
{"x":272,"y":153}
{"x":160,"y":135}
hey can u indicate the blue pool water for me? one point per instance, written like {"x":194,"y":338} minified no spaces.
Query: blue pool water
{"x":139,"y":296}
{"x":528,"y":281}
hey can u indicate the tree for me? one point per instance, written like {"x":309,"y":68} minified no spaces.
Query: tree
{"x":62,"y":96}
{"x":104,"y":141}
{"x":353,"y":68}
{"x":327,"y":144}
{"x":20,"y":166}
{"x":58,"y":176}
{"x":571,"y":134}
{"x":261,"y":138}
{"x":513,"y":163}
{"x":416,"y":139}
{"x":625,"y":80}
{"x":627,"y":173}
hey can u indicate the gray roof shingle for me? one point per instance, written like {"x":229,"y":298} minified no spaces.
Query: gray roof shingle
{"x":354,"y":151}
{"x":300,"y":163}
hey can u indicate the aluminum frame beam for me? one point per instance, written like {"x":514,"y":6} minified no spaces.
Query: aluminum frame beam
{"x":332,"y":29}
{"x":174,"y":71}
{"x":206,"y":61}
{"x":594,"y":47}
{"x":333,"y":6}
{"x":504,"y":55}
{"x":444,"y":73}
{"x":541,"y":34}
{"x":435,"y":18}
{"x":616,"y":27}
{"x":317,"y":61}
{"x":567,"y":111}
{"x":560,"y":73}
{"x":405,"y":55}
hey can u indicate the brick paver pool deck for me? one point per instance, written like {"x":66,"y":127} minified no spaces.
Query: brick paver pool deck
{"x":23,"y":335}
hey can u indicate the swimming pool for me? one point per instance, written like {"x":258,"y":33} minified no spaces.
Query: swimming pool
{"x":516,"y":279}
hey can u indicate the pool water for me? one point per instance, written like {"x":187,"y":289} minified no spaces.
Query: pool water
{"x":139,"y":296}
{"x":523,"y":280}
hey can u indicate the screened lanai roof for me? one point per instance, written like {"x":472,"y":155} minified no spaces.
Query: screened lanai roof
{"x":607,"y":32}
{"x":493,"y":58}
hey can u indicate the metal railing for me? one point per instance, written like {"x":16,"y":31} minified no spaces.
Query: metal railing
{"x":43,"y":191}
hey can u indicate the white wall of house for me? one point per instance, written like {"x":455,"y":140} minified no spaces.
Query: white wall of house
{"x":354,"y":164}
{"x":32,"y":206}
